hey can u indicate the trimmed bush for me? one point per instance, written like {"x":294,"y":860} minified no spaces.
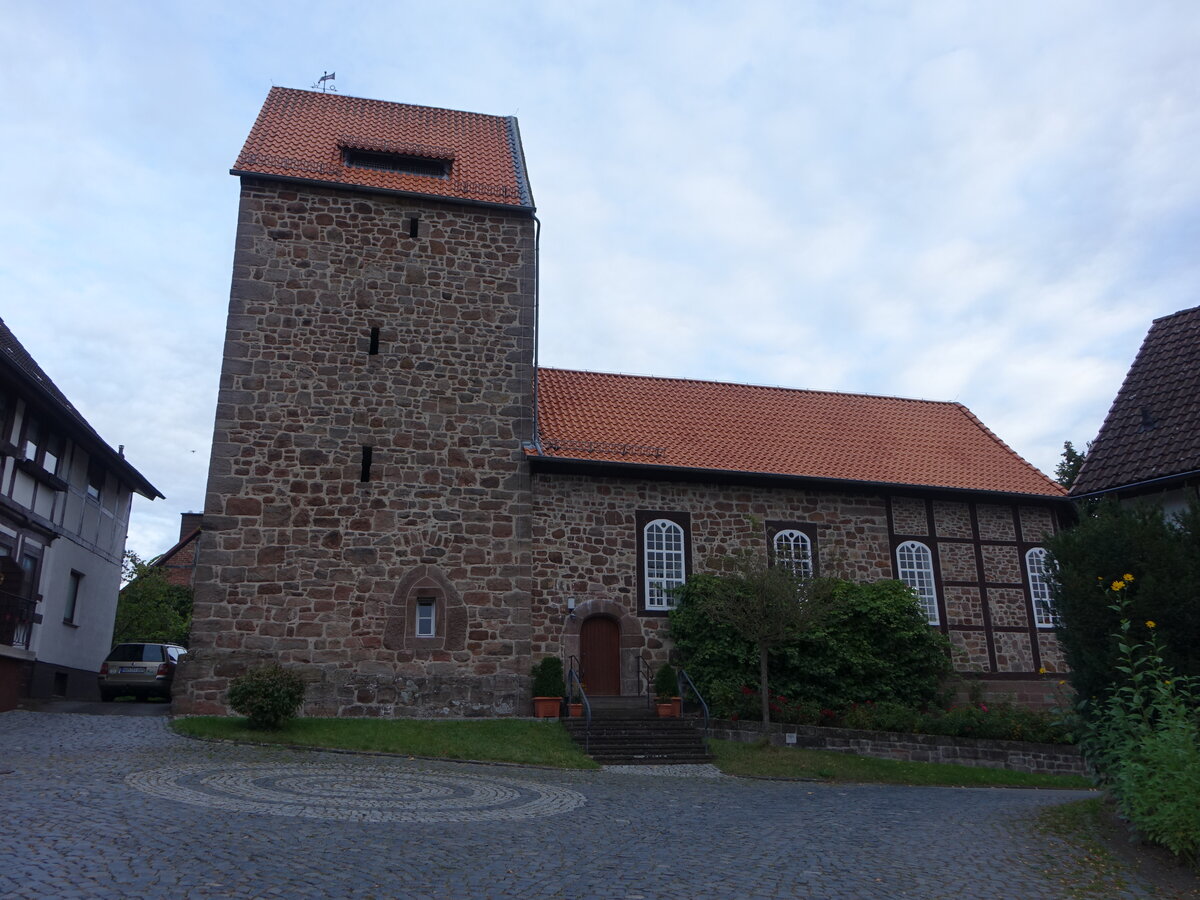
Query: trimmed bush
{"x":548,"y":677}
{"x":267,"y":696}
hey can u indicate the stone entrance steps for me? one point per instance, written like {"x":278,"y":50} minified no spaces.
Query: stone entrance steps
{"x":625,"y":732}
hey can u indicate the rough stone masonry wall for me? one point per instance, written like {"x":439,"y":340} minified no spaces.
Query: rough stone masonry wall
{"x":585,"y":546}
{"x":302,"y":561}
{"x":1017,"y":756}
{"x":586,"y":541}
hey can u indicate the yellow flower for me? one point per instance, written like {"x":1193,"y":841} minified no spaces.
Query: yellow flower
{"x":1061,"y":683}
{"x":1150,"y":623}
{"x":1129,"y":578}
{"x":1042,"y":670}
{"x":1117,"y":585}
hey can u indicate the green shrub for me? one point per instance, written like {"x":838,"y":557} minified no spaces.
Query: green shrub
{"x":666,"y":683}
{"x":884,"y":716}
{"x":1002,"y":721}
{"x":267,"y":695}
{"x":547,"y":677}
{"x":1144,"y":739}
{"x":872,"y":644}
{"x":1110,"y":541}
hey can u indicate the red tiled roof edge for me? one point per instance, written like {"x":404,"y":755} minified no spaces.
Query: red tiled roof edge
{"x":1055,"y":488}
{"x":1033,"y":483}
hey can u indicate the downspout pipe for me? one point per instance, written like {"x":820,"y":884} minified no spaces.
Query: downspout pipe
{"x":536,"y":438}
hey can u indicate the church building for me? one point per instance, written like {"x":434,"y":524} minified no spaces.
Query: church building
{"x":402,"y":504}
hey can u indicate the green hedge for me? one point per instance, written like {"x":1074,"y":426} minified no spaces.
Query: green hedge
{"x":872,"y":644}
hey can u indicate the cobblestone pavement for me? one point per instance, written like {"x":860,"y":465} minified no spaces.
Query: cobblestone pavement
{"x":112,"y":807}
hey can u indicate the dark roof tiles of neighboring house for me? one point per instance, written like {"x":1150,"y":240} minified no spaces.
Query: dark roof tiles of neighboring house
{"x":1152,"y":430}
{"x":342,"y":140}
{"x":706,"y":425}
{"x":46,"y":396}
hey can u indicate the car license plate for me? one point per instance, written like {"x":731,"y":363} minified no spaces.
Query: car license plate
{"x":125,"y":670}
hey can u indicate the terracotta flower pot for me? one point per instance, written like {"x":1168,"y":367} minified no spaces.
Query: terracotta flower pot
{"x":576,"y":710}
{"x":666,"y":710}
{"x":546,"y":707}
{"x":677,"y":706}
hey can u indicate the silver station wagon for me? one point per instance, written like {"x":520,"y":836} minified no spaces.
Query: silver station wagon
{"x":140,"y":670}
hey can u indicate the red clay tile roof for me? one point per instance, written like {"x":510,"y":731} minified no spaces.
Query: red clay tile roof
{"x":1153,"y":428}
{"x":302,"y":134}
{"x":776,"y":431}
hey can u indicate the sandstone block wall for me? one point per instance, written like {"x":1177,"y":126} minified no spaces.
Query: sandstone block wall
{"x":1017,"y":756}
{"x":586,"y":538}
{"x":586,"y":541}
{"x":404,"y":326}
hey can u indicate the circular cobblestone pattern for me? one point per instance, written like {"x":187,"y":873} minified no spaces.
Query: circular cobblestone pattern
{"x":354,"y":792}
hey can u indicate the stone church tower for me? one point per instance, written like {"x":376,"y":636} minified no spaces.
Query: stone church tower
{"x":368,"y":501}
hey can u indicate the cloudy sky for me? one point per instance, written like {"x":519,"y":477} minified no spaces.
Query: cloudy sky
{"x":976,"y":201}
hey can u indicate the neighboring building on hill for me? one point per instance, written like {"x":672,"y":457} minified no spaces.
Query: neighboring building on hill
{"x":178,"y":564}
{"x":64,"y":509}
{"x":1148,"y":449}
{"x":402,"y":503}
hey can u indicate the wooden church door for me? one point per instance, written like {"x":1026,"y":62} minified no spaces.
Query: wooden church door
{"x":600,"y":655}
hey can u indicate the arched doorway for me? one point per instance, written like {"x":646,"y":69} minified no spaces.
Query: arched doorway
{"x":600,"y":655}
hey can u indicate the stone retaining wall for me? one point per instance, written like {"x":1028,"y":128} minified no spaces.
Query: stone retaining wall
{"x":1019,"y":756}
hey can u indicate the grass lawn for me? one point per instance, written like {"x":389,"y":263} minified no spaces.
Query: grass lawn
{"x":494,"y":740}
{"x":735,"y":758}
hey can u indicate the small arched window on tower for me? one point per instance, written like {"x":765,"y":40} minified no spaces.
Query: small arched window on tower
{"x":793,"y":550}
{"x":1039,"y":588}
{"x":914,"y":564}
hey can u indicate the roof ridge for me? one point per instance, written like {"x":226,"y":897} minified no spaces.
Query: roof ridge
{"x":768,"y":387}
{"x":465,"y":112}
{"x":1179,"y":312}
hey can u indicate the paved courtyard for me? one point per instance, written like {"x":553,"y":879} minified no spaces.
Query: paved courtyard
{"x":119,"y":807}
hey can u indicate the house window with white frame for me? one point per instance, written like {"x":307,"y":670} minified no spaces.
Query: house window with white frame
{"x":914,"y":563}
{"x":793,"y":550}
{"x":665,"y":562}
{"x":426,"y":617}
{"x":1044,"y":615}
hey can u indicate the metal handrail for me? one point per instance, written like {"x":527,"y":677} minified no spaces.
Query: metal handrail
{"x":680,"y":677}
{"x":644,"y":676}
{"x":574,"y":681}
{"x":17,"y":618}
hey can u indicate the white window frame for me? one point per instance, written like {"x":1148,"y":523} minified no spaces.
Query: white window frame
{"x":793,"y":551}
{"x":914,"y":562}
{"x":664,"y":554}
{"x":426,"y":625}
{"x":1044,"y":615}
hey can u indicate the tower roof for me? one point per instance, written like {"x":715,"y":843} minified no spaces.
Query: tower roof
{"x":387,"y":147}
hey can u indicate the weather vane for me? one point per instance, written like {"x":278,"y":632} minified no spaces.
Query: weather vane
{"x":325,"y":83}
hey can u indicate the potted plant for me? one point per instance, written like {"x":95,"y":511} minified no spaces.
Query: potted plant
{"x":665,"y":686}
{"x":575,"y":705}
{"x":547,"y":678}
